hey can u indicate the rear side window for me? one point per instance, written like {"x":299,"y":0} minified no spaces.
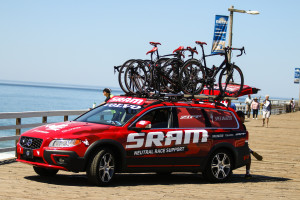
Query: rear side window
{"x":190,"y":117}
{"x":221,"y":119}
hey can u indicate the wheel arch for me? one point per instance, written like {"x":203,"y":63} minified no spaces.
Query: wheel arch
{"x":226,"y":146}
{"x":113,"y":145}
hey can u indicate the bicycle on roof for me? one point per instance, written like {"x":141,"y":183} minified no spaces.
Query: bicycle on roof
{"x":195,"y":74}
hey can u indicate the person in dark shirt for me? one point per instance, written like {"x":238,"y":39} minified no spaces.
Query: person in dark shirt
{"x":255,"y":154}
{"x":107,"y":94}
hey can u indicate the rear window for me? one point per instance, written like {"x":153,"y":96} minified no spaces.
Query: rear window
{"x":190,"y":117}
{"x":221,"y":118}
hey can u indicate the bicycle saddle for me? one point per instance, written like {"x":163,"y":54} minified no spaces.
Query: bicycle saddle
{"x":178,"y":49}
{"x":154,"y":43}
{"x":192,"y":49}
{"x":201,"y":43}
{"x":152,"y":50}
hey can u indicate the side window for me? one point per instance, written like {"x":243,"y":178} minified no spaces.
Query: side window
{"x":159,"y":118}
{"x":221,"y":118}
{"x":190,"y":117}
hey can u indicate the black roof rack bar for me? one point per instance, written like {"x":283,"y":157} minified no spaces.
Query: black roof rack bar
{"x":172,"y":97}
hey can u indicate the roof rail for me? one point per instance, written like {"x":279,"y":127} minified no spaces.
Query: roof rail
{"x":181,"y":97}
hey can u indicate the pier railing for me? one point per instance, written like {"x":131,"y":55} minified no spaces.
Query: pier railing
{"x":18,"y":116}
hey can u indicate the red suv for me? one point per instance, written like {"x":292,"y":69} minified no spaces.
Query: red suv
{"x":130,"y":134}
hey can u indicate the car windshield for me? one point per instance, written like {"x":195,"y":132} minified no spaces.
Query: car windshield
{"x":115,"y":114}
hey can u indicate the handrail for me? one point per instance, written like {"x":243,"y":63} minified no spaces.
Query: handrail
{"x":19,"y":115}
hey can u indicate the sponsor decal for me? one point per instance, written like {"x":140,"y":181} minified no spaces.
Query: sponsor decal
{"x":157,"y":151}
{"x":159,"y":139}
{"x":56,"y":127}
{"x":138,"y":101}
{"x":39,"y":131}
{"x":190,"y":116}
{"x":219,"y":136}
{"x":220,"y":118}
{"x":120,"y":105}
{"x":71,"y":129}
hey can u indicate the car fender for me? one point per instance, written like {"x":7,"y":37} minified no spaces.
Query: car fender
{"x":222,"y":145}
{"x":116,"y":146}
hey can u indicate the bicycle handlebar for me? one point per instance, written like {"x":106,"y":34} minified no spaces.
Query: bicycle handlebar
{"x":242,"y":50}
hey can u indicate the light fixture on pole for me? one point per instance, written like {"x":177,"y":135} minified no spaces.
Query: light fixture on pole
{"x":232,"y":10}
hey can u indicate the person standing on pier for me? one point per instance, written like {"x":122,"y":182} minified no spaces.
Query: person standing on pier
{"x":248,"y":102}
{"x":266,"y":110}
{"x":255,"y":107}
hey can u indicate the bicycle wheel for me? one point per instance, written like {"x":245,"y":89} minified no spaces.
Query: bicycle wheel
{"x":231,"y":81}
{"x":154,"y":75}
{"x":192,"y":77}
{"x":122,"y":75}
{"x":170,"y":75}
{"x":136,"y":77}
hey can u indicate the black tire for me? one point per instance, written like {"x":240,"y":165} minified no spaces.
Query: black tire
{"x":234,"y":77}
{"x":45,"y":171}
{"x":154,"y":81}
{"x":136,"y":77}
{"x":170,"y":77}
{"x":192,"y":77}
{"x":101,"y":169}
{"x":121,"y":76}
{"x":219,"y":167}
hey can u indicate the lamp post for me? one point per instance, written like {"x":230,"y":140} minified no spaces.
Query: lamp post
{"x":232,"y":10}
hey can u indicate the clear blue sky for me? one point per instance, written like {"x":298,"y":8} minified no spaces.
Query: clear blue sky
{"x":79,"y":42}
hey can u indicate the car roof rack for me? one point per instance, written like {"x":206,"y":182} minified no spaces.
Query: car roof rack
{"x":181,"y":97}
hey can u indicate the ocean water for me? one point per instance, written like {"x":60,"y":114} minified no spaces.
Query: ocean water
{"x":21,"y":97}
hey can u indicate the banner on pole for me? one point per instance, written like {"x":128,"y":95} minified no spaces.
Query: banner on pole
{"x":297,"y":76}
{"x":219,"y":39}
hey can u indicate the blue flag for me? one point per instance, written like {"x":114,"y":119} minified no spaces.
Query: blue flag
{"x":297,"y":75}
{"x":219,"y":39}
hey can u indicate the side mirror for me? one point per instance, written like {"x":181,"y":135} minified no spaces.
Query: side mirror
{"x":143,"y":124}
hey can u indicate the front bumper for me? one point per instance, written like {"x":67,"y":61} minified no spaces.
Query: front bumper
{"x":53,"y":159}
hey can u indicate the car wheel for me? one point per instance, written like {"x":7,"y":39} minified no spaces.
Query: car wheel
{"x":44,"y":171}
{"x":101,"y":170}
{"x":219,"y":167}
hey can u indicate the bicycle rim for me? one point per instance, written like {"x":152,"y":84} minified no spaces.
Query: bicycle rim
{"x":231,"y":81}
{"x":192,"y":78}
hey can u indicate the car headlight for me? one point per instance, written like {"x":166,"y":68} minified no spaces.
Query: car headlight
{"x":64,"y":143}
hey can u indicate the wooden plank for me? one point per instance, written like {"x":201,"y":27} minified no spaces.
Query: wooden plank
{"x":12,"y":115}
{"x":7,"y":149}
{"x":6,"y":138}
{"x":21,"y":126}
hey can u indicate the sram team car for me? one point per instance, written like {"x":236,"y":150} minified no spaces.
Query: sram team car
{"x":131,"y":134}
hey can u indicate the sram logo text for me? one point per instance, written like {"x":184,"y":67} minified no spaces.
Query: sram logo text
{"x":137,"y":140}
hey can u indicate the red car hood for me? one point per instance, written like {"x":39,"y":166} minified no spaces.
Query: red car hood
{"x":66,"y":130}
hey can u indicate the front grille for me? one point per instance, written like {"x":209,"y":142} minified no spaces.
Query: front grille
{"x":30,"y":143}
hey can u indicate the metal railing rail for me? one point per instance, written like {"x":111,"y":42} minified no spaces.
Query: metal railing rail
{"x":19,"y":115}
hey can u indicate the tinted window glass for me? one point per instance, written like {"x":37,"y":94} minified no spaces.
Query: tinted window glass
{"x":112,"y":114}
{"x":159,"y":118}
{"x":190,"y":117}
{"x":221,"y":118}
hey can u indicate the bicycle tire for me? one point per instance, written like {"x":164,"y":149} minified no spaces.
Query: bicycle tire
{"x":235,"y":77}
{"x":192,"y":77}
{"x":121,"y":76}
{"x":170,"y":75}
{"x":136,"y":77}
{"x":154,"y":77}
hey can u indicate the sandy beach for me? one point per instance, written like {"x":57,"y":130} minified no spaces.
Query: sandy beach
{"x":276,"y":177}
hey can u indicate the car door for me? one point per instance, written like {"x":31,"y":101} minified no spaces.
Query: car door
{"x":150,"y":147}
{"x":195,"y":126}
